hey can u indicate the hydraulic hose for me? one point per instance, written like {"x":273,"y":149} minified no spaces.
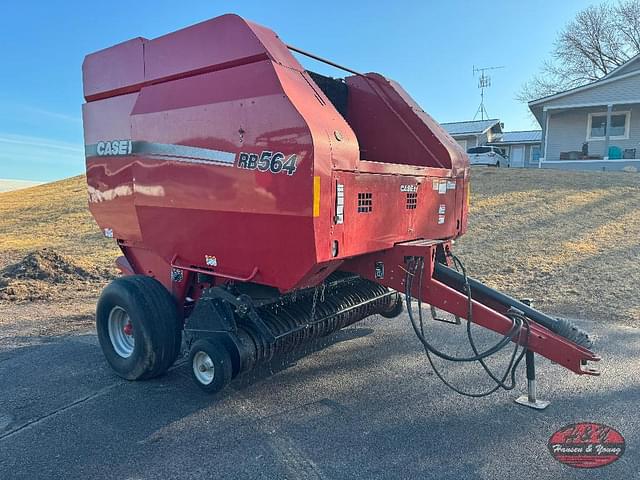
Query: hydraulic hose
{"x":562,"y":327}
{"x":518,"y":323}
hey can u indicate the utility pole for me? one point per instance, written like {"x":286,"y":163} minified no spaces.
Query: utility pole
{"x":484,"y":82}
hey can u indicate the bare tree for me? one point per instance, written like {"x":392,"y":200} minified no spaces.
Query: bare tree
{"x":627,"y":23}
{"x":599,"y":39}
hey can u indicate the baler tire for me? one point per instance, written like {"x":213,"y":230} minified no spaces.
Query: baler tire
{"x":218,"y":360}
{"x":396,"y":309}
{"x":156,"y":331}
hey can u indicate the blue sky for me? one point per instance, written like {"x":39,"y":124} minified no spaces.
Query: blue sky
{"x":430,"y":47}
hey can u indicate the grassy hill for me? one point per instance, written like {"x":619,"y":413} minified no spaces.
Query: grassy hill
{"x":569,"y":240}
{"x":55,"y":216}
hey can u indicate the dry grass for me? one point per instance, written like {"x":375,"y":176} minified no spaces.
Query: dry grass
{"x":569,"y":240}
{"x":52,"y":216}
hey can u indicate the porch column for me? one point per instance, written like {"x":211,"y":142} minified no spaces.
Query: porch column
{"x":605,"y":155}
{"x":543,"y":139}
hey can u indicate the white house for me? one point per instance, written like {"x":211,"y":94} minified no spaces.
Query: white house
{"x":523,"y":148}
{"x":473,"y":133}
{"x":593,"y":127}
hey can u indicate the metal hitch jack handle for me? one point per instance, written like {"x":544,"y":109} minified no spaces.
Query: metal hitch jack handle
{"x":530,"y":399}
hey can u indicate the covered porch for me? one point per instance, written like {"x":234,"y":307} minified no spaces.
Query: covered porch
{"x":599,"y":136}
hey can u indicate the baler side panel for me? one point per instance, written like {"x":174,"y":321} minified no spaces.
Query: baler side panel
{"x":335,"y":146}
{"x":382,"y":210}
{"x":401,"y":133}
{"x":277,"y":49}
{"x":114,"y":71}
{"x":234,"y":214}
{"x":110,"y":179}
{"x":438,"y":215}
{"x":221,"y":42}
{"x":215,"y":44}
{"x":417,"y":118}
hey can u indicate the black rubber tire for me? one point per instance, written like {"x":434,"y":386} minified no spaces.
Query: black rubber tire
{"x":156,"y":328}
{"x":222,"y":364}
{"x":396,"y":309}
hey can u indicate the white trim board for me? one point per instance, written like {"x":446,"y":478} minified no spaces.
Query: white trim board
{"x":587,"y":105}
{"x":546,"y":136}
{"x":602,"y":81}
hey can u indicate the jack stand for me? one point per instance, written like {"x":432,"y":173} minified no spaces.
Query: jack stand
{"x":530,"y":400}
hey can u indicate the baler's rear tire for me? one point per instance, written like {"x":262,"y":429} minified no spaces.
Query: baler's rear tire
{"x":396,"y":308}
{"x":138,"y":327}
{"x":211,"y":366}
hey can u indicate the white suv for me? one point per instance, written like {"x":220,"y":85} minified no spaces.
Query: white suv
{"x":493,"y":156}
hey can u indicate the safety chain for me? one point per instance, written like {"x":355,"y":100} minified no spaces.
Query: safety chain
{"x":322,"y":287}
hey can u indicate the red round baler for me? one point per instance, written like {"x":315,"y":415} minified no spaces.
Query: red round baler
{"x":259,"y":205}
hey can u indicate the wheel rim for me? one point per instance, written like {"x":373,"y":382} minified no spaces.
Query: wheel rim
{"x":203,"y":368}
{"x":121,"y":332}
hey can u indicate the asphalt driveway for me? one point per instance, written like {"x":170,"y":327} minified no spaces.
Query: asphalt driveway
{"x":362,"y":404}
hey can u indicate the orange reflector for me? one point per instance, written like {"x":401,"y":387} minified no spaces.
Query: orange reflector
{"x":316,"y":196}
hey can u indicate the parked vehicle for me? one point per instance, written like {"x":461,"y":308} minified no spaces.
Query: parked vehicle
{"x":492,"y":156}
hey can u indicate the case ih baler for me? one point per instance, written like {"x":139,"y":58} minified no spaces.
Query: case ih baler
{"x":259,"y":205}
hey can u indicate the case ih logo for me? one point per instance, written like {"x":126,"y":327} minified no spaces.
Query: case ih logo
{"x":409,"y":188}
{"x":586,"y":445}
{"x":114,"y":147}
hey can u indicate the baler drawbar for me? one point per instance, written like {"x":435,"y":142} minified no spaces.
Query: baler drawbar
{"x":259,"y":205}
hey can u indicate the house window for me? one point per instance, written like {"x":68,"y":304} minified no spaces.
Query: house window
{"x":535,"y":154}
{"x":597,"y":126}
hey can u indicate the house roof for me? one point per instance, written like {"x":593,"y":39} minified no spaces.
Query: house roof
{"x":619,"y":73}
{"x":470,"y":127}
{"x":623,"y":68}
{"x":523,"y":136}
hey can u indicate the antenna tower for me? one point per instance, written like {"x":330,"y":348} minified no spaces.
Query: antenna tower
{"x":484,"y":82}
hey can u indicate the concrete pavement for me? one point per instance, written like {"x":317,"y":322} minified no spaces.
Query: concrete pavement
{"x":363,"y":404}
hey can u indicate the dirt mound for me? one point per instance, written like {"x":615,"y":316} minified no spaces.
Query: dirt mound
{"x":48,"y":266}
{"x":43,"y":274}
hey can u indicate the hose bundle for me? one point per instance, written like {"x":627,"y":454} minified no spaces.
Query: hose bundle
{"x":519,"y":322}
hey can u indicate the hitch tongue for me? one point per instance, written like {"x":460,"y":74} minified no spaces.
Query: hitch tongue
{"x":585,"y":368}
{"x":487,"y":295}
